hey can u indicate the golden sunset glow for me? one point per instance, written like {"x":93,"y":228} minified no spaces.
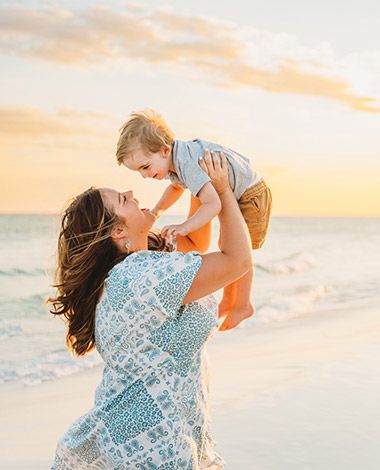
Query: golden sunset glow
{"x":306,"y":114}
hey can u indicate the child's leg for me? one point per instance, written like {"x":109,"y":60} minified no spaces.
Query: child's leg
{"x":200,"y":239}
{"x":229,"y":295}
{"x":255,"y":205}
{"x":228,"y":300}
{"x":242,"y":307}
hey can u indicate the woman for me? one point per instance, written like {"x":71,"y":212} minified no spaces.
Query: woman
{"x":147,"y":314}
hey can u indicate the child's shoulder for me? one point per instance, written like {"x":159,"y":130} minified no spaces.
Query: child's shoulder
{"x":193,"y":146}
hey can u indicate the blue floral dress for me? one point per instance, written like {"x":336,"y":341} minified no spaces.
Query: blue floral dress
{"x":150,"y":409}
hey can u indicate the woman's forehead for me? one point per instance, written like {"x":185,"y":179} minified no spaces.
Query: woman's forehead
{"x":110,"y":196}
{"x":109,"y":191}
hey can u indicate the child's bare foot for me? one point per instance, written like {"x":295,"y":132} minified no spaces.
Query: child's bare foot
{"x":236,"y":316}
{"x":224,"y":308}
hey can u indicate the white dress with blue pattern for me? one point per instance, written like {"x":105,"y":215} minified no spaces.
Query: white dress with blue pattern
{"x":150,"y":409}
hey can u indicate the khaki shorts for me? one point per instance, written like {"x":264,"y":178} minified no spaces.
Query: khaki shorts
{"x":256,"y":205}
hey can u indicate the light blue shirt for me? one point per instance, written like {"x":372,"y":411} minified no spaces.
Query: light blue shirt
{"x":190,"y":175}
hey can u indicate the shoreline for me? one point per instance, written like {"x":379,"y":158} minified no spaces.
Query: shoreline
{"x":300,"y":394}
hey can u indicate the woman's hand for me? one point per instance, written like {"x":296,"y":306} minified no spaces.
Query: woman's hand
{"x":216,"y":168}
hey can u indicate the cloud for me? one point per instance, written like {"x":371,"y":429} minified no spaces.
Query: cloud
{"x":32,"y":122}
{"x":227,"y":54}
{"x":290,"y":78}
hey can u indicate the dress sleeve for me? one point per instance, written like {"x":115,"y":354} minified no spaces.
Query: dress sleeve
{"x":168,"y":280}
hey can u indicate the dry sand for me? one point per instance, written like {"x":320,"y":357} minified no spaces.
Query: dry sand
{"x":301,"y":394}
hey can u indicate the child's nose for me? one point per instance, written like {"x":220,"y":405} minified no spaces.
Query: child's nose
{"x":147,"y":173}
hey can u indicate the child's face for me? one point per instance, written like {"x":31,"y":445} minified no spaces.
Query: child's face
{"x":150,"y":165}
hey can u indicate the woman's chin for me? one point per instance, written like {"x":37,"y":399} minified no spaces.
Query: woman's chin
{"x":149,"y":215}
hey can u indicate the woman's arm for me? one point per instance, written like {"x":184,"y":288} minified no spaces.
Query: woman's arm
{"x":235,"y":257}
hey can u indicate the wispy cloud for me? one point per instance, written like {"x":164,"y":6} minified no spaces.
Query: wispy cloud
{"x":32,"y":122}
{"x":290,"y":78}
{"x":224,"y":53}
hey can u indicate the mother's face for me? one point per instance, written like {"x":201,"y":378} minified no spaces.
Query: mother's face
{"x":126,"y":208}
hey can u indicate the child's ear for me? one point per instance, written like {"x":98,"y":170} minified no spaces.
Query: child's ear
{"x":166,"y":150}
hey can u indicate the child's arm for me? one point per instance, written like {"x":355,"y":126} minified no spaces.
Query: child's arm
{"x":210,"y":207}
{"x":171,"y":194}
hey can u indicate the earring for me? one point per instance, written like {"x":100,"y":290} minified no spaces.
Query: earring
{"x":128,"y":246}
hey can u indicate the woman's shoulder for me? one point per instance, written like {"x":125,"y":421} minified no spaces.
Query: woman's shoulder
{"x":175,"y":258}
{"x":145,"y":256}
{"x":152,"y":260}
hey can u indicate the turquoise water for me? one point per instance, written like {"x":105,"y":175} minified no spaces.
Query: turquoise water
{"x":307,"y":265}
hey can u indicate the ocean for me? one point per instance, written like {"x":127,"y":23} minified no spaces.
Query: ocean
{"x":308,"y":266}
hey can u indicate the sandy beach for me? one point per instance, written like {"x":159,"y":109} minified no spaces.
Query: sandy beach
{"x":301,"y":394}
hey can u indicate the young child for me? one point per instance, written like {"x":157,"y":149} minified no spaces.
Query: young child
{"x":147,"y":145}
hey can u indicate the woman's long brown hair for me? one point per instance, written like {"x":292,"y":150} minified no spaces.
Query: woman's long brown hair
{"x":86,"y":253}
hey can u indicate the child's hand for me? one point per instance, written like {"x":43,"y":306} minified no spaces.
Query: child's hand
{"x":156,"y":212}
{"x":173,"y":230}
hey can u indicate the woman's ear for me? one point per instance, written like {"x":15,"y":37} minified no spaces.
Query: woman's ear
{"x":118,"y":231}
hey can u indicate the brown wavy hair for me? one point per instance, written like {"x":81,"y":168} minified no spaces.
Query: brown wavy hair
{"x":86,"y":253}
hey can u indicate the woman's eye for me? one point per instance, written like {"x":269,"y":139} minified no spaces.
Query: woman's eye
{"x":124,"y":198}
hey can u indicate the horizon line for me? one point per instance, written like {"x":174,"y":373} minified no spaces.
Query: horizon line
{"x":51,"y":214}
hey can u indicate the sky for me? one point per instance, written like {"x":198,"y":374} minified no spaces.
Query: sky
{"x":294,"y":86}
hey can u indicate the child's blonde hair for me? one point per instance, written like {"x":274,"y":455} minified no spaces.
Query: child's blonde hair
{"x":145,"y":129}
